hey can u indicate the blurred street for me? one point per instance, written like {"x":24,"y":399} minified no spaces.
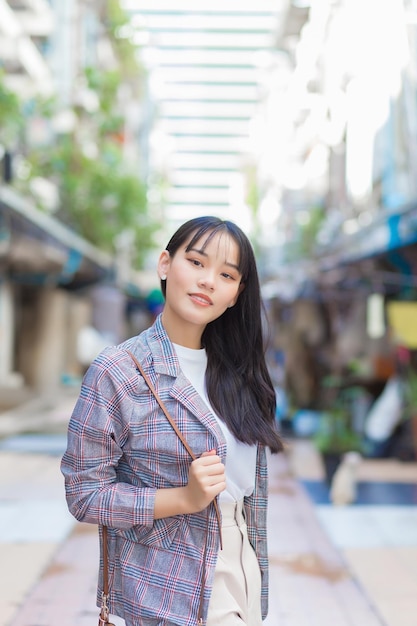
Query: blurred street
{"x":121,"y":119}
{"x":330,"y":566}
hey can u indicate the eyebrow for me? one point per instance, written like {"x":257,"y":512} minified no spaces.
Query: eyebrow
{"x":203,"y":253}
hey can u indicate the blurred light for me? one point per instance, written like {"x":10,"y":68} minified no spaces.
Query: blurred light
{"x":64,"y":122}
{"x":367,"y":111}
{"x":294,"y":177}
{"x":365,"y":218}
{"x":302,"y":218}
{"x":270,"y":208}
{"x":375,"y":316}
{"x":90,"y":150}
{"x":8,"y":22}
{"x":316,"y":164}
{"x":140,"y":38}
{"x":350,"y":227}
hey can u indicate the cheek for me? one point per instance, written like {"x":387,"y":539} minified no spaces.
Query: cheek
{"x":175,"y":280}
{"x":232,"y":296}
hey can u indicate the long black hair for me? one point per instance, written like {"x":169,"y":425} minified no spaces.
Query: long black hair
{"x":237,"y":379}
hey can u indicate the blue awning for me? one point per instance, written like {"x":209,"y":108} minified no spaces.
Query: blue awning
{"x":390,"y":231}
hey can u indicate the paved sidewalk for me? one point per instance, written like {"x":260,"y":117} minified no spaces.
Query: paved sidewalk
{"x":310,"y":584}
{"x":320,"y":575}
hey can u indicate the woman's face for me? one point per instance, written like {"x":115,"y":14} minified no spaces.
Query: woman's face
{"x":200,"y":284}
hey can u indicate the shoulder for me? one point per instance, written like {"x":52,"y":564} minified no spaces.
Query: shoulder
{"x":114,"y":366}
{"x":154,"y":350}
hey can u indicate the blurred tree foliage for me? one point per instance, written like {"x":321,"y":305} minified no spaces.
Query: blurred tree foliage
{"x":100,"y":194}
{"x":304,"y":243}
{"x":120,"y":31}
{"x":11,"y":118}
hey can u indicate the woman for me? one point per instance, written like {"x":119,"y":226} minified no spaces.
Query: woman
{"x":170,"y":562}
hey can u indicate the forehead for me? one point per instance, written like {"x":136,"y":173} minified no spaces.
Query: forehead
{"x":218,"y":243}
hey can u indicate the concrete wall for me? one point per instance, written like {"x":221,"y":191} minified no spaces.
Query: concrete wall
{"x":49,"y":323}
{"x":7,"y":333}
{"x":42,"y":337}
{"x":79,"y":316}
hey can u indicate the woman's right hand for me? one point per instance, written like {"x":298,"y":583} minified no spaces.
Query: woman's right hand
{"x":206,"y":479}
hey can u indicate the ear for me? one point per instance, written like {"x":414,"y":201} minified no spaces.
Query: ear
{"x":164,"y":264}
{"x":235,"y":299}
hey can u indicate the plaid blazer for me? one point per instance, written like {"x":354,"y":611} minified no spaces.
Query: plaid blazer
{"x":121,"y":449}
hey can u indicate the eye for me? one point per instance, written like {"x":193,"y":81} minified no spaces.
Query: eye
{"x":228,"y":276}
{"x":195,"y":262}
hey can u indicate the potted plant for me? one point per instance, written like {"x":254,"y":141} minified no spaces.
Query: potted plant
{"x":335,"y":437}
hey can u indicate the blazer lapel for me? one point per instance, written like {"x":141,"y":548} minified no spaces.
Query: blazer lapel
{"x":165,"y":361}
{"x":184,"y":393}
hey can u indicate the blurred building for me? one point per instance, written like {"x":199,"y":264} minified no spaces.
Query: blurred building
{"x":25,"y":27}
{"x":48,"y":274}
{"x":335,"y":134}
{"x":335,"y":138}
{"x":205,"y":60}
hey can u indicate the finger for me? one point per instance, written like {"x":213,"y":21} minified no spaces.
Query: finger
{"x":208,"y":468}
{"x":209,"y":452}
{"x":204,"y":463}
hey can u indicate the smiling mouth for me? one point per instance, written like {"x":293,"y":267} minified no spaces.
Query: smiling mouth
{"x":201,"y":299}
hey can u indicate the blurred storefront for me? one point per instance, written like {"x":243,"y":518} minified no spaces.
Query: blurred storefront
{"x":61,"y":298}
{"x":54,"y":284}
{"x":336,"y":177}
{"x":45,"y":273}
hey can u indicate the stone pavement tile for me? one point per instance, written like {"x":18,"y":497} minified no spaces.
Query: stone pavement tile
{"x":370,"y":526}
{"x":22,"y":566}
{"x":311,"y":584}
{"x":399,"y":613}
{"x":22,"y":475}
{"x":390,"y":575}
{"x":34,"y":520}
{"x":408,"y":558}
{"x":41,"y":413}
{"x":387,"y":470}
{"x":65,"y":593}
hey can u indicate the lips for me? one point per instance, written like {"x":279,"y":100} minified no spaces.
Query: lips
{"x":201,"y":298}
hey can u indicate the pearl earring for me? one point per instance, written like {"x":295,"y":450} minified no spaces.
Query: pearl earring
{"x":163,"y":277}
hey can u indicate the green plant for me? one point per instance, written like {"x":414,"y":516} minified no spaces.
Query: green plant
{"x":11,"y":118}
{"x":304,"y":242}
{"x":98,"y":197}
{"x":335,"y":434}
{"x":100,"y":193}
{"x":410,"y":393}
{"x":90,"y":169}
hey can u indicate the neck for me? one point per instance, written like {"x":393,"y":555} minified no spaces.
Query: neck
{"x":189,"y":336}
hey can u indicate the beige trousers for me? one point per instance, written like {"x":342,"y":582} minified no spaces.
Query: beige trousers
{"x":236,"y":595}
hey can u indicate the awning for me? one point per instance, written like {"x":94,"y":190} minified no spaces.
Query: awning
{"x":390,"y":231}
{"x":37,"y":249}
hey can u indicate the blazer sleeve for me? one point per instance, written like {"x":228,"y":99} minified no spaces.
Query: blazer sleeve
{"x":97,"y":430}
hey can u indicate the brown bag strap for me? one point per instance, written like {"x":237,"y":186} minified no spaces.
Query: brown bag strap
{"x":105,"y":562}
{"x":103,"y":618}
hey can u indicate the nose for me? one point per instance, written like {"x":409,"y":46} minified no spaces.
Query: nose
{"x":206,"y":281}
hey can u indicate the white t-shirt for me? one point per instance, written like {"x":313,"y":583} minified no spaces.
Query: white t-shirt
{"x":240,"y":457}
